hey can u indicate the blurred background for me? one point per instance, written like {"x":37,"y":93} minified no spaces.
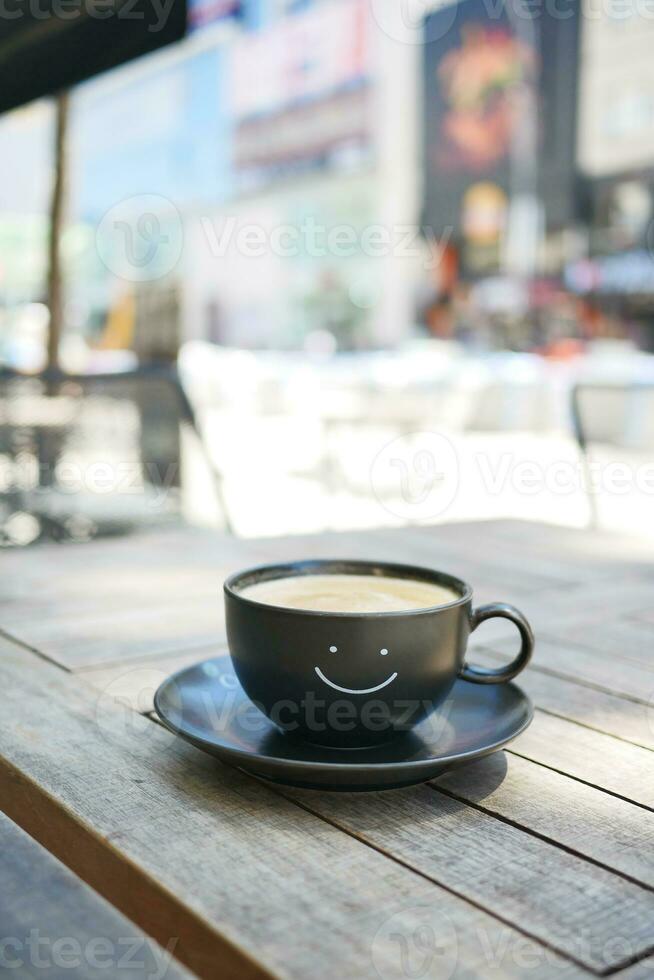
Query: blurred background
{"x":317,"y":264}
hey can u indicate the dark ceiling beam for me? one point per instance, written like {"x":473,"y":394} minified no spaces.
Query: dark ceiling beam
{"x":49,"y":45}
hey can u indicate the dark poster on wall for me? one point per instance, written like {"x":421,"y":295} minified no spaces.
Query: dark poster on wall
{"x":500,"y":80}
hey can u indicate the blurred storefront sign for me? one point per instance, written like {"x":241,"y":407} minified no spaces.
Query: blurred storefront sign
{"x":319,"y":50}
{"x":300,"y":93}
{"x":626,"y":274}
{"x":484,"y":211}
{"x":621,"y":212}
{"x":501,"y":295}
{"x":630,"y":207}
{"x":300,"y":138}
{"x":499,"y":111}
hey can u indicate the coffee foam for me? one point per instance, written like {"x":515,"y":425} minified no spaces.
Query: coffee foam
{"x":349,"y":593}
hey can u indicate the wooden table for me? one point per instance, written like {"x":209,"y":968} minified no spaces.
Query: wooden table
{"x":537,"y":862}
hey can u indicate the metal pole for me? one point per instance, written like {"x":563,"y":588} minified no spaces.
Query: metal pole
{"x":57,"y":208}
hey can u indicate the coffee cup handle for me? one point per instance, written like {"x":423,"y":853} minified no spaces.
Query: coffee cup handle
{"x":498,"y":675}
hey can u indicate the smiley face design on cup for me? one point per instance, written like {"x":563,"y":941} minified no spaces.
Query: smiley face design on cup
{"x":352,"y":690}
{"x":354,"y":677}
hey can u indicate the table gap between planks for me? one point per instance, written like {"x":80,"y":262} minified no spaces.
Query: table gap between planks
{"x":536,"y":862}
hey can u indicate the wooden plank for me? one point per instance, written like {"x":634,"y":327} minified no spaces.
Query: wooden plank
{"x":625,"y":718}
{"x":121,"y":601}
{"x":54,"y":925}
{"x":125,"y":572}
{"x":180,"y":843}
{"x":601,"y":827}
{"x":592,"y":757}
{"x":564,"y":556}
{"x":570,"y":615}
{"x":60,"y":569}
{"x":128,"y":633}
{"x":608,"y":673}
{"x":133,"y":683}
{"x":485,"y":548}
{"x":457,"y":549}
{"x":623,"y":638}
{"x":631,"y":553}
{"x":558,"y":896}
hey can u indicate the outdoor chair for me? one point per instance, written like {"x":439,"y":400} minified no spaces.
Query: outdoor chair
{"x":614,"y":424}
{"x":97,"y":454}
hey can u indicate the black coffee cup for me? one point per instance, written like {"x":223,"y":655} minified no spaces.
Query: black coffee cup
{"x":351,"y":679}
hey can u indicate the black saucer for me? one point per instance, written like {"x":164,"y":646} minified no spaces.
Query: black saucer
{"x":206,"y":705}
